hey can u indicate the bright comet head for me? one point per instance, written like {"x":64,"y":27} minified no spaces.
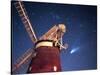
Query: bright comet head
{"x":74,"y":50}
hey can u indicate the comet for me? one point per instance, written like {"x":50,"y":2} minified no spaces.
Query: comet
{"x":74,"y":50}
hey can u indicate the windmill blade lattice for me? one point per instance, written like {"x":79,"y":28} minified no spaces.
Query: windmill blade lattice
{"x":25,"y":19}
{"x":28,"y":55}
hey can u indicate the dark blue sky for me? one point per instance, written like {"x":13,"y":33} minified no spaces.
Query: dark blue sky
{"x":81,"y":35}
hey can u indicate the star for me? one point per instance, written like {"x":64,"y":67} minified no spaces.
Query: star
{"x":81,"y":25}
{"x":32,"y":14}
{"x":94,"y":31}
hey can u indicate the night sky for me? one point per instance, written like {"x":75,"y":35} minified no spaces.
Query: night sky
{"x":81,"y":35}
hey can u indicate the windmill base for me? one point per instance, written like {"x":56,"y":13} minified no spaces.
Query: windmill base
{"x":46,"y":60}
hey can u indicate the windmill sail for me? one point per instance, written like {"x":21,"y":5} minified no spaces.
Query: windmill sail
{"x":50,"y":34}
{"x":24,"y":17}
{"x":55,"y":33}
{"x":24,"y":59}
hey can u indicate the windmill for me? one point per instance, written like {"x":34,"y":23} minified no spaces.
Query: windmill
{"x":45,"y":55}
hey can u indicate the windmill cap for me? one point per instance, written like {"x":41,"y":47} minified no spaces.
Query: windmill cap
{"x":62,"y":27}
